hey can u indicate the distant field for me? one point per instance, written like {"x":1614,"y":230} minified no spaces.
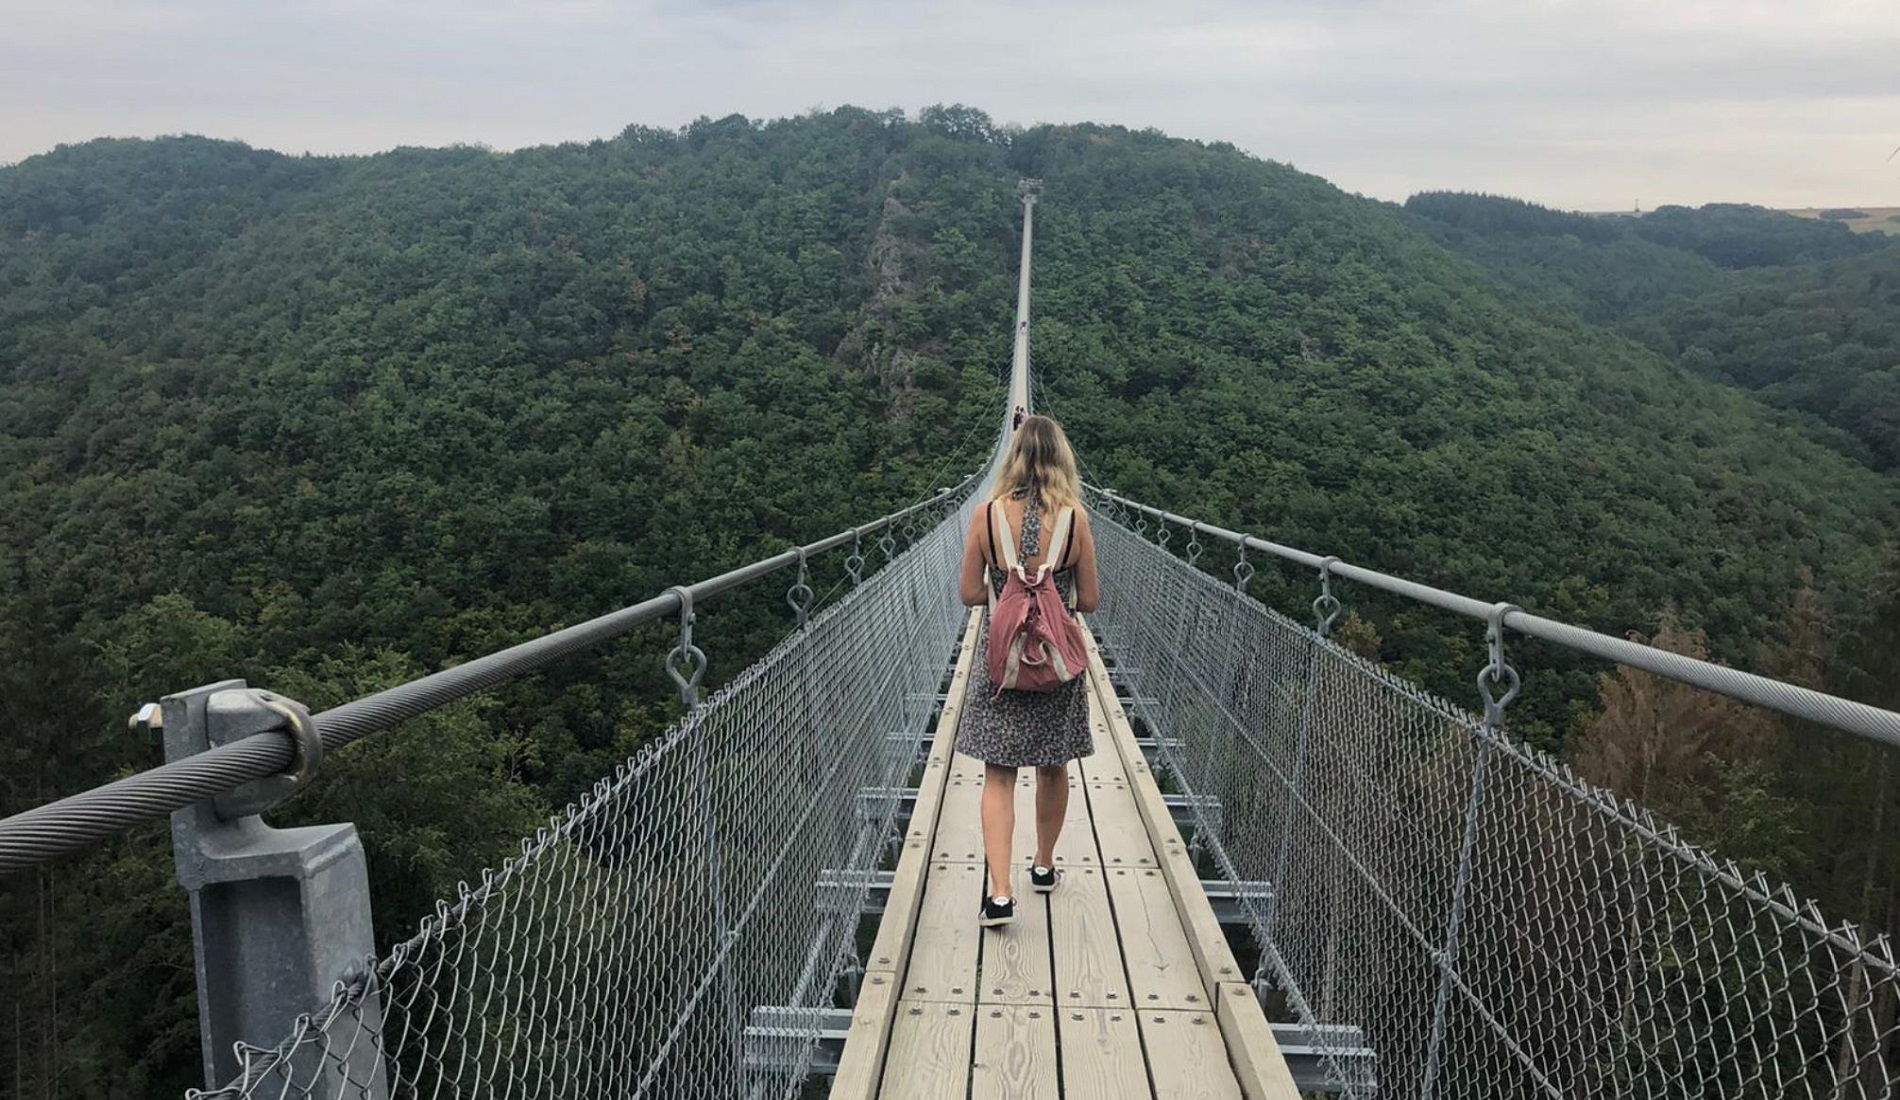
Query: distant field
{"x":1879,"y":219}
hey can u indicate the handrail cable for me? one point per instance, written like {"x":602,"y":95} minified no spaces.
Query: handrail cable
{"x":71,"y":823}
{"x":1832,"y":711}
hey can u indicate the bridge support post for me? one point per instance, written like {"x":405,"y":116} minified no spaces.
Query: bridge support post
{"x":279,"y":917}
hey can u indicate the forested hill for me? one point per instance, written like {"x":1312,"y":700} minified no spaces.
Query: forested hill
{"x":330,"y":422}
{"x":1803,"y":313}
{"x":1607,"y":267}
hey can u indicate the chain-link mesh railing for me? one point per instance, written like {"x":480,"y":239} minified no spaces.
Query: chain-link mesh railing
{"x":1491,"y":924}
{"x":625,"y":951}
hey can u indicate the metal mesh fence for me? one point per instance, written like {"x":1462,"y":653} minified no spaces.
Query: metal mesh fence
{"x":626,"y":951}
{"x":1490,"y":923}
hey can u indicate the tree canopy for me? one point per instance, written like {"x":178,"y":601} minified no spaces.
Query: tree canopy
{"x":329,"y":423}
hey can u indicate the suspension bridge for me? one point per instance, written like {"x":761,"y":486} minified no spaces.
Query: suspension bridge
{"x":1289,"y":872}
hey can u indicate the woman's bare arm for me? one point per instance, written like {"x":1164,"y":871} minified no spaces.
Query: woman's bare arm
{"x":1088,"y":583}
{"x":973,"y":587}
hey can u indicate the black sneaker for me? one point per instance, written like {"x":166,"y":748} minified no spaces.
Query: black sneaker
{"x":994,"y":915}
{"x":1042,"y":879}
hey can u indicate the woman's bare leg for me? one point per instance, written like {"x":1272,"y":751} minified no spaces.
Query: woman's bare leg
{"x":1052,"y":806}
{"x":999,"y":825}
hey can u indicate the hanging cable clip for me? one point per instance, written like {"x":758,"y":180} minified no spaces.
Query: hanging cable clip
{"x":854,"y":565}
{"x":799,"y":596}
{"x":1243,"y":569}
{"x":1497,"y":671}
{"x":686,"y":664}
{"x":1326,"y":607}
{"x":1194,"y":543}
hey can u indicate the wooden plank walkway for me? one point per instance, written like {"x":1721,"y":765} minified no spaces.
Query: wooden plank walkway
{"x":1118,"y":985}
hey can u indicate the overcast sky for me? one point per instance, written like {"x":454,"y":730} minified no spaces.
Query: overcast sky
{"x":1592,"y":105}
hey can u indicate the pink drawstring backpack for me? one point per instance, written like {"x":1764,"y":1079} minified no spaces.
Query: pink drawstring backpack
{"x":1035,"y":644}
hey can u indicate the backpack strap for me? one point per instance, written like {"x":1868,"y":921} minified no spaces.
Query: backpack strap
{"x":989,"y":521}
{"x":1068,"y":543}
{"x":1063,"y":536}
{"x":1008,"y":541}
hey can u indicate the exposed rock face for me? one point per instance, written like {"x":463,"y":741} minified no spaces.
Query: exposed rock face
{"x":887,"y":260}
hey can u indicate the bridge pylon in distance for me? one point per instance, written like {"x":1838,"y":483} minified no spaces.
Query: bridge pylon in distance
{"x":1029,"y":189}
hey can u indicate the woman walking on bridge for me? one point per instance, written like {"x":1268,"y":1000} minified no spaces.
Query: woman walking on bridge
{"x":1009,"y":729}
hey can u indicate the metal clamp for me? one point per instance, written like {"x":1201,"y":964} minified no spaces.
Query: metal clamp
{"x":236,"y":713}
{"x":854,"y":565}
{"x":888,"y":544}
{"x":1326,"y":607}
{"x":1194,"y":543}
{"x":799,"y":596}
{"x":1243,"y":569}
{"x":1497,"y":671}
{"x":686,"y":655}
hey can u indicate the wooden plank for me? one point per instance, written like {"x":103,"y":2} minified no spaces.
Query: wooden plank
{"x":966,"y":767}
{"x":1015,"y":1054}
{"x":1105,"y":764}
{"x":930,"y":1052}
{"x":862,"y":1061}
{"x":1212,"y":955}
{"x":1187,"y":1057}
{"x":1015,"y":968}
{"x":1120,"y":833}
{"x":1101,"y":1055}
{"x":1258,"y":1063}
{"x":1161,"y":968}
{"x":1088,"y":954}
{"x":960,"y":829}
{"x":898,"y":925}
{"x":943,"y":957}
{"x":1183,"y":1059}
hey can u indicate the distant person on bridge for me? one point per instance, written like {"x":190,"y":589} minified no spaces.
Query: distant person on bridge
{"x":1009,"y":729}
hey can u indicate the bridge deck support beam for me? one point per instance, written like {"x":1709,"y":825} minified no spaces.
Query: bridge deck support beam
{"x":279,"y":916}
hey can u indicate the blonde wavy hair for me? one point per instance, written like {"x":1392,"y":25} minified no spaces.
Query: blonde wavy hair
{"x":1040,"y":458}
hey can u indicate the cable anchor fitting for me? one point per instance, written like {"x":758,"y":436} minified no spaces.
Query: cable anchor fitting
{"x":799,"y":596}
{"x":1498,"y":671}
{"x":854,"y":565}
{"x":686,"y":664}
